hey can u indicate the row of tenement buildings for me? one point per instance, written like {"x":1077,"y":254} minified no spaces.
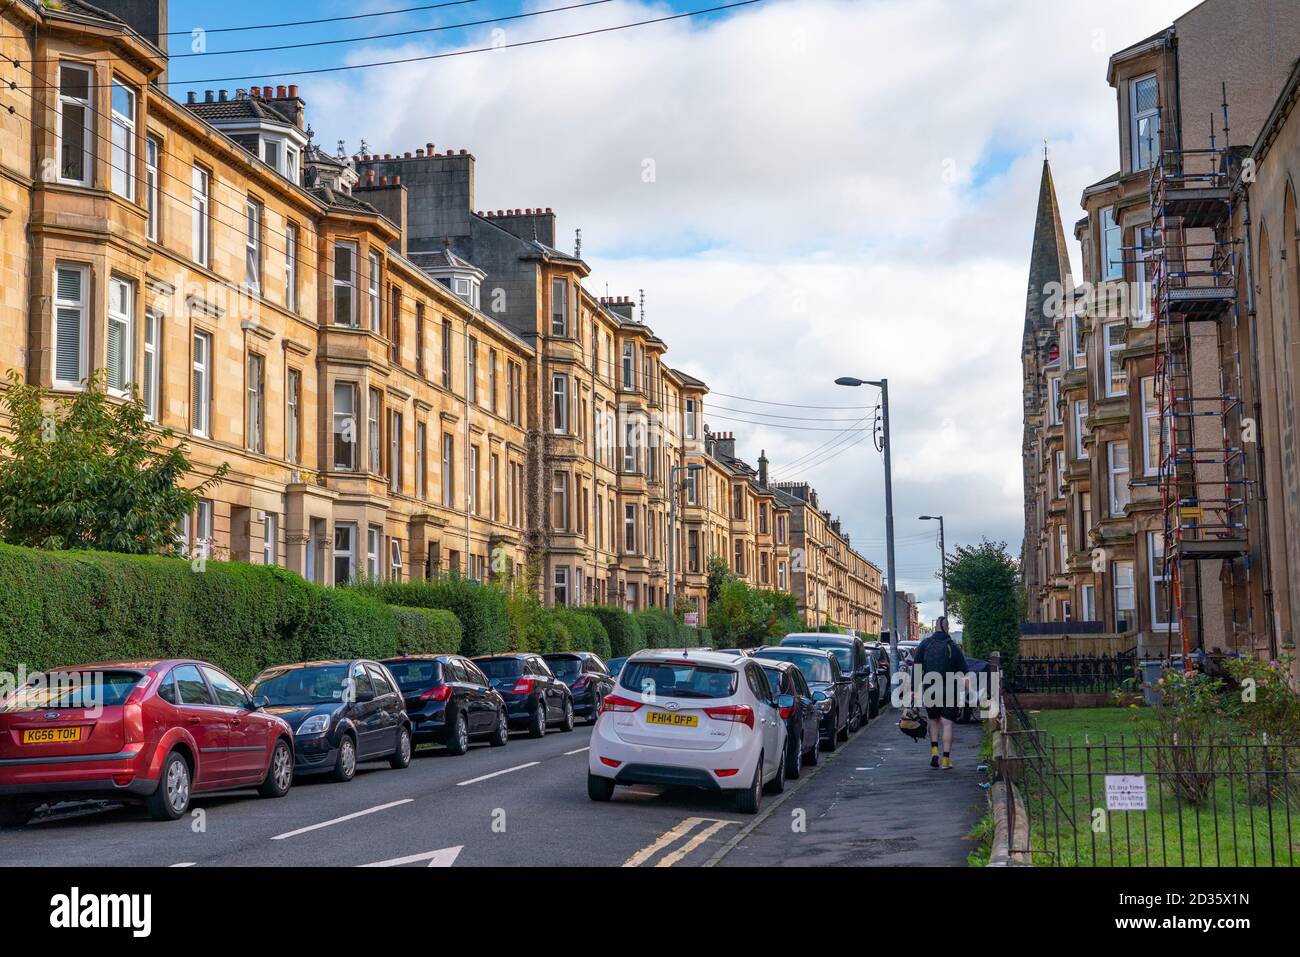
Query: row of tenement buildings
{"x":402,"y":386}
{"x":1162,"y":492}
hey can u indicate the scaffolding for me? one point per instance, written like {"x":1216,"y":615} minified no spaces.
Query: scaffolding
{"x":1204,"y":478}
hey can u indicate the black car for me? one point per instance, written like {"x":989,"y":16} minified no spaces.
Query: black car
{"x":587,"y":677}
{"x":852,"y":654}
{"x":615,"y":665}
{"x":879,"y":681}
{"x":802,"y":720}
{"x":450,"y":701}
{"x":341,"y":712}
{"x":830,"y":687}
{"x":884,"y":672}
{"x":534,"y":697}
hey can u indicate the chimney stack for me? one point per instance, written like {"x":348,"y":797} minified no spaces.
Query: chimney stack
{"x":762,"y":468}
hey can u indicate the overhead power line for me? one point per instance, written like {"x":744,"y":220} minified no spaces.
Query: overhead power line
{"x":303,"y":23}
{"x":793,"y":405}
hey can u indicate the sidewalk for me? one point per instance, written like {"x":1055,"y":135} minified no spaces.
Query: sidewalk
{"x":878,"y":803}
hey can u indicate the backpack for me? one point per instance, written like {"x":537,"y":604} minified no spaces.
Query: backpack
{"x":913,"y":723}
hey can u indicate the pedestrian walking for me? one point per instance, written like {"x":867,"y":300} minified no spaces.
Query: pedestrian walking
{"x":939,"y":655}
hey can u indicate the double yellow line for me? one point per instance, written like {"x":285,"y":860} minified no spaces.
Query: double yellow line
{"x":675,"y":834}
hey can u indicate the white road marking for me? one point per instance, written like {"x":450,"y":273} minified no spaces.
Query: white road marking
{"x":340,"y":820}
{"x":183,"y":864}
{"x":494,"y":774}
{"x":577,"y":751}
{"x":669,"y":860}
{"x":440,"y":858}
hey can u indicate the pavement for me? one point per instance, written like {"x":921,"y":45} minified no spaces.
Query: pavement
{"x":526,"y":804}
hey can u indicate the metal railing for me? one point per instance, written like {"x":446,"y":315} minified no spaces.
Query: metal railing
{"x":1078,"y":674}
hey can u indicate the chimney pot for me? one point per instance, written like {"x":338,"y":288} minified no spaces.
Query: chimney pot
{"x":419,"y":152}
{"x":223,"y":95}
{"x":370,"y":177}
{"x":464,"y":152}
{"x":193,"y":97}
{"x":407,"y":154}
{"x":383,"y":181}
{"x":397,"y":180}
{"x":428,"y":148}
{"x":207,"y":96}
{"x":281,"y":92}
{"x":293,"y":90}
{"x":388,"y":156}
{"x":548,"y":210}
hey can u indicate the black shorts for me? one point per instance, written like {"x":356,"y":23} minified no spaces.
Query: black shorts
{"x":949,"y":713}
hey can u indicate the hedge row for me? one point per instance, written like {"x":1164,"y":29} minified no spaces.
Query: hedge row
{"x":480,"y":609}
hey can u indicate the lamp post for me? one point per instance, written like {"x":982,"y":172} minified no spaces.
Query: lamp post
{"x":943,"y":558}
{"x":672,"y":526}
{"x":883,"y":384}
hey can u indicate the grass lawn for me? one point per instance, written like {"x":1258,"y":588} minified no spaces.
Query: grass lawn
{"x":1237,"y":823}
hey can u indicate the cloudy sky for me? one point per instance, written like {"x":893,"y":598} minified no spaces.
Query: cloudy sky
{"x":803,"y":189}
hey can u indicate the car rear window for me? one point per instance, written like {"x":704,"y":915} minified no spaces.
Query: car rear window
{"x":72,"y":689}
{"x":814,"y":665}
{"x":773,"y":679}
{"x":565,"y":667}
{"x":496,"y":668}
{"x":845,"y":655}
{"x":412,"y":675}
{"x":303,"y":686}
{"x":673,"y":679}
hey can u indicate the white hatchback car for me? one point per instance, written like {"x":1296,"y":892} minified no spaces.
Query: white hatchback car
{"x":690,"y":719}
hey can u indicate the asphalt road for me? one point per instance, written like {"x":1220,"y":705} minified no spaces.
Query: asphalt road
{"x":524,"y":804}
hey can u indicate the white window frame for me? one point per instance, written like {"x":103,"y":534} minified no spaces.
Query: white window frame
{"x":692,"y":414}
{"x":1157,"y":576}
{"x":1078,"y":349}
{"x":374,"y":542}
{"x":1118,"y":477}
{"x":560,"y":493}
{"x":120,"y":320}
{"x":630,"y":537}
{"x":270,"y":538}
{"x":1150,"y":414}
{"x":560,"y":582}
{"x":1059,"y":460}
{"x":1124,"y":584}
{"x":253,"y":245}
{"x":374,"y":292}
{"x":293,"y":402}
{"x":629,"y":366}
{"x":560,"y":308}
{"x":152,"y":154}
{"x":200,"y":221}
{"x":1112,"y":244}
{"x":374,"y":405}
{"x":560,"y":404}
{"x":1054,"y":400}
{"x":201,"y":384}
{"x":1143,"y":312}
{"x":421,"y":451}
{"x":472,"y":504}
{"x":448,"y":466}
{"x":1088,"y":602}
{"x":121,"y":179}
{"x":1114,"y":376}
{"x":344,"y":426}
{"x":87,"y":124}
{"x":291,"y":266}
{"x":1137,"y":142}
{"x":347,"y":285}
{"x":349,"y":553}
{"x":255,"y":403}
{"x":1080,"y":416}
{"x":395,"y":559}
{"x":151,"y":374}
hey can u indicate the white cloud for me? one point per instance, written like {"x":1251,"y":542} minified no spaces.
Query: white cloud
{"x":800,"y":152}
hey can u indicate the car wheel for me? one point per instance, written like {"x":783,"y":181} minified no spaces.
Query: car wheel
{"x":777,"y":784}
{"x":749,"y":800}
{"x":279,"y":774}
{"x":595,"y":709}
{"x":566,"y":723}
{"x":598,"y":788}
{"x":171,"y":799}
{"x":15,"y":813}
{"x":345,"y":767}
{"x":830,"y":742}
{"x":402,"y":756}
{"x":793,"y":759}
{"x":537,"y":725}
{"x":458,"y":740}
{"x":501,"y":736}
{"x":855,"y":720}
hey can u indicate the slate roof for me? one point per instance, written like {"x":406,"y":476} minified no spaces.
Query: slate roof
{"x":248,"y":108}
{"x":342,"y":201}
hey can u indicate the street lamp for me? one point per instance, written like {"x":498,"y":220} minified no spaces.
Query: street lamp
{"x":883,"y":385}
{"x":943,"y":557}
{"x":672,"y":525}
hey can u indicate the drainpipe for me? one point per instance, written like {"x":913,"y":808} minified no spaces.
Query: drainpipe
{"x":468,"y":441}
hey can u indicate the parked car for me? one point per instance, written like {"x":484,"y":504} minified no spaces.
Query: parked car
{"x":703,"y":720}
{"x":832,"y":689}
{"x":615,"y":665}
{"x":449,"y":701}
{"x":587,"y":677}
{"x":880,"y":686}
{"x":342,"y":714}
{"x":852,"y":654}
{"x":802,"y":720}
{"x":534,"y":697}
{"x":738,"y":652}
{"x":157,"y":732}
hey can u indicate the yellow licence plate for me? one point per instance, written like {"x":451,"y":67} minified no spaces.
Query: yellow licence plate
{"x":673,"y":720}
{"x":52,"y":735}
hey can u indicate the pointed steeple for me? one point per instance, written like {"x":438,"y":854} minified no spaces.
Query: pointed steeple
{"x":1049,"y":260}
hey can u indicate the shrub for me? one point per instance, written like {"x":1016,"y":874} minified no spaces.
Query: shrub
{"x":426,"y":631}
{"x":585,"y":631}
{"x":481,"y":609}
{"x":624,"y":632}
{"x":555,"y":634}
{"x":657,"y":627}
{"x":344,"y":623}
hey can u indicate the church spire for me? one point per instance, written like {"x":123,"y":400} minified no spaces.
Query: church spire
{"x":1049,"y":259}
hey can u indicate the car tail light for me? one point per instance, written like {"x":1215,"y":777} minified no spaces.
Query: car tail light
{"x":741,"y":713}
{"x":613,"y":702}
{"x":137,"y":693}
{"x":440,"y":693}
{"x":786,"y":712}
{"x":524,"y":686}
{"x":610,"y":762}
{"x":725,"y":772}
{"x":580,"y":683}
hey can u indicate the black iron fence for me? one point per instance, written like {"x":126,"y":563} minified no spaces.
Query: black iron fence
{"x":1078,"y":674}
{"x":1150,"y":800}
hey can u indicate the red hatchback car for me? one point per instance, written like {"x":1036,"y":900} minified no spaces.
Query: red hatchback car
{"x":151,"y":731}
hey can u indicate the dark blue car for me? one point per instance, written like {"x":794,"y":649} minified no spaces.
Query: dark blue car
{"x":534,"y":697}
{"x":449,"y":701}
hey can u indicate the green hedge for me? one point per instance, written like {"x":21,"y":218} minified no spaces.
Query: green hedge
{"x":658,"y":628}
{"x":623,"y":630}
{"x":585,"y":630}
{"x":426,"y":631}
{"x":64,"y":608}
{"x":481,"y":609}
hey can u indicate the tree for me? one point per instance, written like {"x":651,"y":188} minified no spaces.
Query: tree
{"x":719,"y":572}
{"x":87,"y":473}
{"x":984,"y":588}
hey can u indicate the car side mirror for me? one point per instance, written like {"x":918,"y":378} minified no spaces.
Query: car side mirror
{"x":260,"y":702}
{"x":785,"y":701}
{"x":819,"y":695}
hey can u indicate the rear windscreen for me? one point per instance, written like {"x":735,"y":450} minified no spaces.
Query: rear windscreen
{"x":415,"y":674}
{"x":814,"y":665}
{"x":773,"y":680}
{"x":72,"y":689}
{"x":500,"y":667}
{"x":678,"y":680}
{"x":565,"y":667}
